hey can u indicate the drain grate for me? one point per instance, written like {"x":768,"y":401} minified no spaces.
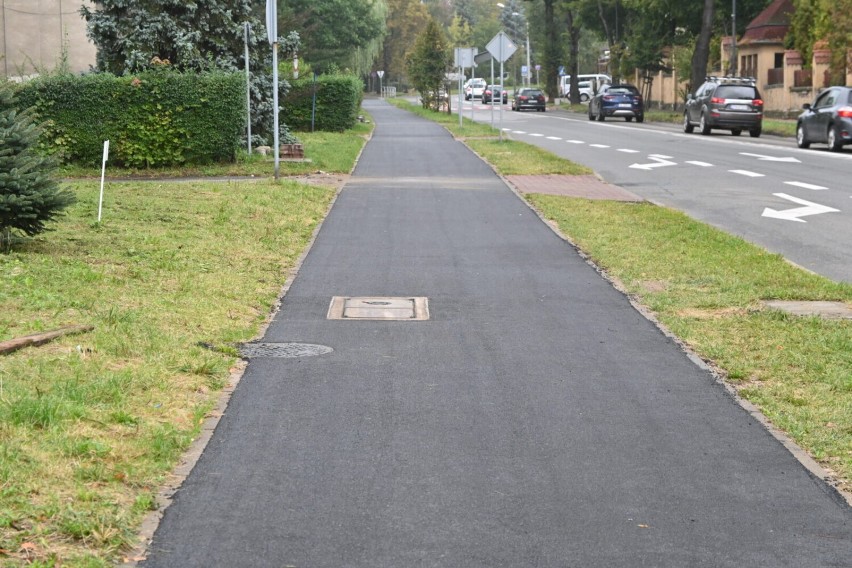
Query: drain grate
{"x":285,"y":350}
{"x":381,"y":308}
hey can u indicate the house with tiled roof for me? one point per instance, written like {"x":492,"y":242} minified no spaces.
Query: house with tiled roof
{"x":35,"y":35}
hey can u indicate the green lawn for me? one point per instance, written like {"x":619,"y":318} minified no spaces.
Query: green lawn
{"x":92,"y":424}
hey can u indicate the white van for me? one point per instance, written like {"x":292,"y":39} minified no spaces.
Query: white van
{"x":599,"y":78}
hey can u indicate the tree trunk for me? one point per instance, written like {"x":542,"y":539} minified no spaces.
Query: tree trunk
{"x":574,"y":55}
{"x":551,"y":51}
{"x":702,"y":47}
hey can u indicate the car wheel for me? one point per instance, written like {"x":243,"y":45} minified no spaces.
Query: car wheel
{"x":591,"y":116}
{"x":801,"y":140}
{"x":736,"y":132}
{"x":687,"y":126}
{"x":601,"y":116}
{"x":628,"y":119}
{"x":833,"y":140}
{"x":584,"y":97}
{"x":640,"y":118}
{"x":755,"y":132}
{"x":703,"y":126}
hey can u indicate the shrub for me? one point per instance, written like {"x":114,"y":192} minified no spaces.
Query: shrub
{"x":29,"y":195}
{"x":338,"y":103}
{"x":156,"y":118}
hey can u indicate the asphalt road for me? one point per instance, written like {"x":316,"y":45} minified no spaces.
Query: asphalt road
{"x":536,"y":419}
{"x":794,"y":202}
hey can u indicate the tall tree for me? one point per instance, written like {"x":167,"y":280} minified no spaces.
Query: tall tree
{"x":332,"y":30}
{"x":189,"y":35}
{"x":702,"y":46}
{"x":428,"y":63}
{"x":406,"y":19}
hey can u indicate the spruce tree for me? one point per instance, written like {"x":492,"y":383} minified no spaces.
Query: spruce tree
{"x":29,"y":195}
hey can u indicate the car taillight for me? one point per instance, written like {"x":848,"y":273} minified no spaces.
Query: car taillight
{"x":757,"y":102}
{"x":717,"y":101}
{"x":609,"y":97}
{"x":844,"y":112}
{"x":522,"y":97}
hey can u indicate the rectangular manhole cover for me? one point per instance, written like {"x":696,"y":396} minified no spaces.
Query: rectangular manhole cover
{"x":382,"y":308}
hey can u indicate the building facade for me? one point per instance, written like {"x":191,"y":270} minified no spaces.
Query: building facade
{"x":35,"y":35}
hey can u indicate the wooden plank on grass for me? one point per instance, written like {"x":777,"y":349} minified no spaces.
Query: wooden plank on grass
{"x":40,"y":338}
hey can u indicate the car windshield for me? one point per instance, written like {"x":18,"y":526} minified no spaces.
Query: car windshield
{"x":623,"y":90}
{"x":735,"y":92}
{"x":849,"y":98}
{"x":531,"y":92}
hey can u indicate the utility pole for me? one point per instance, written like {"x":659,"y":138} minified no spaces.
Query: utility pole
{"x":734,"y":37}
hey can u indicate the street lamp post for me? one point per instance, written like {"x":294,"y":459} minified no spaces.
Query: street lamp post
{"x":528,"y":77}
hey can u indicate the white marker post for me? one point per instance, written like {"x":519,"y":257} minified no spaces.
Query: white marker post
{"x":103,"y":173}
{"x":272,"y":31}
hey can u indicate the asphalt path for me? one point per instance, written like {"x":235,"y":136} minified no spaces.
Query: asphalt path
{"x":794,"y":202}
{"x":536,"y":419}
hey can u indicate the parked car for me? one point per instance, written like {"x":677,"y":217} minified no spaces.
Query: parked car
{"x":599,"y":78}
{"x":490,"y":89}
{"x":473,"y":89}
{"x":622,"y":100}
{"x":725,"y":103}
{"x":828,"y":120}
{"x":585,"y":88}
{"x":529,"y":98}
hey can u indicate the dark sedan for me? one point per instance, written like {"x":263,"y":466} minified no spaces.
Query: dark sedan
{"x":529,"y":98}
{"x":828,"y":120}
{"x":618,"y":100}
{"x":487,"y":94}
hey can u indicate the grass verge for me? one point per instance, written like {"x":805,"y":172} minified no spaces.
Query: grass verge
{"x":90,"y":425}
{"x":509,"y":157}
{"x":707,"y":287}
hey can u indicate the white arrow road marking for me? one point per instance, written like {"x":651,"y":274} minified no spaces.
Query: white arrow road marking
{"x":805,"y":185}
{"x":747,"y":173}
{"x":659,"y":163}
{"x":771,"y":158}
{"x":809,"y":208}
{"x":702,"y":164}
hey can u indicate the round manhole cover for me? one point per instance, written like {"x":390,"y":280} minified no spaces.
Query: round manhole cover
{"x":286,"y":350}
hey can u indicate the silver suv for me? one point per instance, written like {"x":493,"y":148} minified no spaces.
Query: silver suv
{"x":725,"y":103}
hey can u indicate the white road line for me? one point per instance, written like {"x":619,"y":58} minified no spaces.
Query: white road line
{"x":660,"y":156}
{"x":701,"y":164}
{"x":628,"y":151}
{"x":747,"y":173}
{"x":554,"y":138}
{"x":805,"y":185}
{"x":537,"y":135}
{"x":575,"y":141}
{"x":598,"y":145}
{"x":518,"y":132}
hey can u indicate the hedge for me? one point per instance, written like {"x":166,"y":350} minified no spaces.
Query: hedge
{"x":338,"y":103}
{"x":158,"y":118}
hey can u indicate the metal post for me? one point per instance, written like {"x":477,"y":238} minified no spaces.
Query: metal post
{"x":314,"y":103}
{"x":529,"y":69}
{"x":461,"y":94}
{"x":734,"y":66}
{"x":276,"y":149}
{"x":248,"y":88}
{"x":500,"y":94}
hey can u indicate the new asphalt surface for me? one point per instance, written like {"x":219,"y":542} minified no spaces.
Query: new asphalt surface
{"x":536,"y":419}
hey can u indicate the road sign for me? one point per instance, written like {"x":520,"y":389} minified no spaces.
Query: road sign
{"x":381,"y":74}
{"x":463,"y":57}
{"x":501,"y":47}
{"x":272,"y":20}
